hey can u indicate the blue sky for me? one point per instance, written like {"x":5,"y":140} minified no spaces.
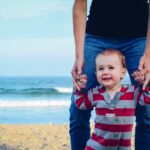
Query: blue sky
{"x":36,"y":37}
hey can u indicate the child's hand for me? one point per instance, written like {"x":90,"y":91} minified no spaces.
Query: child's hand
{"x":138,"y":76}
{"x":82,"y":81}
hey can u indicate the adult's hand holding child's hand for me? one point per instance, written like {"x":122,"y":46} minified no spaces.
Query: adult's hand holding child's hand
{"x":82,"y":81}
{"x":138,"y":76}
{"x":77,"y":71}
{"x":141,"y":78}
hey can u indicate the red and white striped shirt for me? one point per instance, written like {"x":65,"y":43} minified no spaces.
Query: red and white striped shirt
{"x":114,"y":117}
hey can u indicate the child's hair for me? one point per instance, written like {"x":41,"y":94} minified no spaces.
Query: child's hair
{"x":113,"y":51}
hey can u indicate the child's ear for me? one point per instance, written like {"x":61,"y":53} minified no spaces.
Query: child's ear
{"x":124,"y":70}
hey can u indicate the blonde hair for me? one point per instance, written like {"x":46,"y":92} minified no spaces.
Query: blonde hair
{"x":113,"y":51}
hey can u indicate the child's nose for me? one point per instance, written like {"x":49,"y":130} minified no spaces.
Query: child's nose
{"x":106,"y":71}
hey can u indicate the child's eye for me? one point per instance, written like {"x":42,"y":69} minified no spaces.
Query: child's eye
{"x":111,"y":67}
{"x":100,"y":68}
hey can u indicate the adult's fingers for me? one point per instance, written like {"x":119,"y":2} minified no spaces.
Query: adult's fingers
{"x":145,"y":84}
{"x":144,"y":64}
{"x":79,"y":71}
{"x":143,"y":71}
{"x":74,"y":72}
{"x":74,"y":78}
{"x":147,"y":80}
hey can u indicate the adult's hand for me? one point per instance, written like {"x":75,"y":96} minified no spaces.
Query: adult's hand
{"x":146,"y":81}
{"x":144,"y":67}
{"x":76,"y":71}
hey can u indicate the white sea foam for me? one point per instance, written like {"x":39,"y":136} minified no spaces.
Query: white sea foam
{"x":63,"y":90}
{"x":34,"y":103}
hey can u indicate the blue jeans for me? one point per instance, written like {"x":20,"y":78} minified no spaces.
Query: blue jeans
{"x":133,"y":49}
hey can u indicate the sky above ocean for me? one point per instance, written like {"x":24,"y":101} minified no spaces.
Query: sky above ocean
{"x":36,"y":37}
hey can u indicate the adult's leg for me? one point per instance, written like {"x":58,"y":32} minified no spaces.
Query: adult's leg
{"x":79,"y":119}
{"x":133,"y":50}
{"x":79,"y":127}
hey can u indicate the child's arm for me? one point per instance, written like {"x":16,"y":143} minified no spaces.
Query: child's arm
{"x":143,"y":96}
{"x":83,"y":100}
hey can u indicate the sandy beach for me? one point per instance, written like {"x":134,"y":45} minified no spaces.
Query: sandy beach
{"x":35,"y":137}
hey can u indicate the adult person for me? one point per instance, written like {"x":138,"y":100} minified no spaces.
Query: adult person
{"x":124,"y":25}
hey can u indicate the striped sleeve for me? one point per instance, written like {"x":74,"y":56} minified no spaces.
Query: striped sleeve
{"x":84,"y":100}
{"x":143,"y":96}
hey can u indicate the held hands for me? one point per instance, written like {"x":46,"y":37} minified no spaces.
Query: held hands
{"x":144,"y":68}
{"x":76,"y":71}
{"x":138,"y":76}
{"x":82,"y":81}
{"x":141,"y":78}
{"x":144,"y":65}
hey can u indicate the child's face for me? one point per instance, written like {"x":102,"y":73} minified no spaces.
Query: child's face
{"x":109,"y":70}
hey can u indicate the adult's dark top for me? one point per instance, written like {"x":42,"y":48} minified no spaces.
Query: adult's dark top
{"x":118,"y":18}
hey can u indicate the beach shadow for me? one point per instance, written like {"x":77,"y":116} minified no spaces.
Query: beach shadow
{"x":6,"y":147}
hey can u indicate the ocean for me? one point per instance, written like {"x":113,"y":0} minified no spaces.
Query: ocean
{"x":35,"y":100}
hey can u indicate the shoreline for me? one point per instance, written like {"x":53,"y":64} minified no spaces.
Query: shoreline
{"x":36,"y":137}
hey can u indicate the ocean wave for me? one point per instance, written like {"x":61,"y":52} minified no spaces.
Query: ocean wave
{"x":35,"y":103}
{"x":36,"y":91}
{"x":63,"y":90}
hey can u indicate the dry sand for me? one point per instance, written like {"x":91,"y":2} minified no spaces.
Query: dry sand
{"x":34,"y":137}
